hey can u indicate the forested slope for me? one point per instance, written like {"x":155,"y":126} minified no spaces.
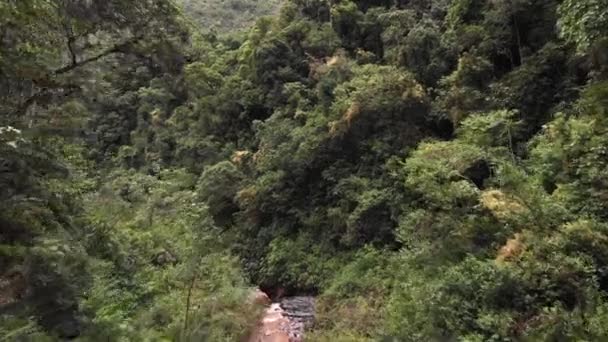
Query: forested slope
{"x":432,"y":170}
{"x":227,"y":15}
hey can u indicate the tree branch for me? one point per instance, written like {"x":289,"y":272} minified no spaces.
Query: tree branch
{"x":69,"y":32}
{"x":50,"y":86}
{"x":115,"y":49}
{"x":43,"y":95}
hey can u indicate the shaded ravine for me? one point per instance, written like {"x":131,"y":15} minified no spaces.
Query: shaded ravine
{"x":285,"y":320}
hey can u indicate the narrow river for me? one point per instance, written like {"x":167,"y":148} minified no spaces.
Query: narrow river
{"x":286,"y":320}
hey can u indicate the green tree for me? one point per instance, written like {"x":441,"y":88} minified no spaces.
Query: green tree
{"x":583,"y":22}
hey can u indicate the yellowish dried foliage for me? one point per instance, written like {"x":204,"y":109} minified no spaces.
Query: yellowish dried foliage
{"x":511,"y":250}
{"x":239,"y":157}
{"x":501,"y":205}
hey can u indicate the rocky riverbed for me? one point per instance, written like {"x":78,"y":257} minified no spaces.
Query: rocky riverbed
{"x":285,"y":320}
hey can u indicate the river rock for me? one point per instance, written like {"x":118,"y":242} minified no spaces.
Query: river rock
{"x":259,"y":298}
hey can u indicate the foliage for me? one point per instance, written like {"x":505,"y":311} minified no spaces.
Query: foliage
{"x":156,"y":259}
{"x":226,"y":16}
{"x":583,"y":22}
{"x":432,"y":170}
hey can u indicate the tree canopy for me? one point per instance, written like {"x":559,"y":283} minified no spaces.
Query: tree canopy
{"x":430,"y":170}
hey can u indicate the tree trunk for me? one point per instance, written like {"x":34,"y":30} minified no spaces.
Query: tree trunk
{"x":187,"y":318}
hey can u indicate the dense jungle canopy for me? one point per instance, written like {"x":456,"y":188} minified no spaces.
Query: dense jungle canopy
{"x":430,"y":170}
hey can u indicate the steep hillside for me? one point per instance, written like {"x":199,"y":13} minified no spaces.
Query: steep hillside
{"x":427,"y":170}
{"x":228,"y":15}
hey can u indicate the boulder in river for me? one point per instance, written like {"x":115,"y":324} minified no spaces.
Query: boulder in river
{"x":259,"y":298}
